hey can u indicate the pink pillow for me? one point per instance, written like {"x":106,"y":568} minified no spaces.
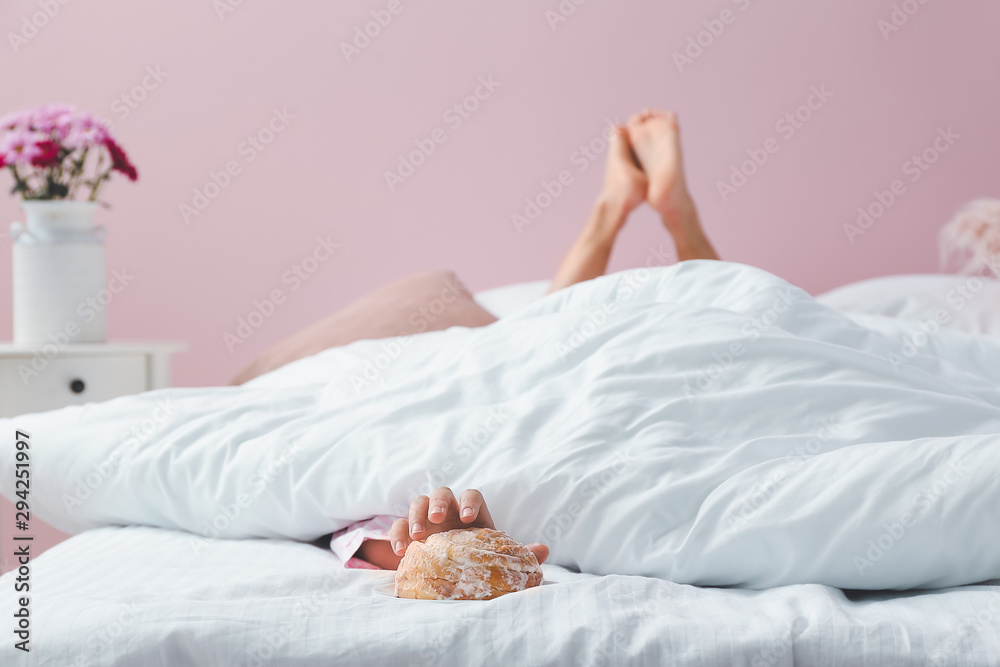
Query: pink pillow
{"x":425,"y":302}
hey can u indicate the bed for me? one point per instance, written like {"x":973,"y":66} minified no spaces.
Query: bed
{"x":143,"y":596}
{"x":672,"y":570}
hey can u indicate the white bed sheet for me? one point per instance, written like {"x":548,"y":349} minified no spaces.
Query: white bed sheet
{"x":143,"y":596}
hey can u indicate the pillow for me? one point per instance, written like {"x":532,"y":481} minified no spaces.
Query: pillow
{"x":502,"y":301}
{"x":970,"y":304}
{"x":426,"y":302}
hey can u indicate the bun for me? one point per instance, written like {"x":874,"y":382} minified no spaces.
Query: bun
{"x":466,"y":564}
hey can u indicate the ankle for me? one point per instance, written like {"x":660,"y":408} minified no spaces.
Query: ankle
{"x":680,"y":216}
{"x":609,"y":215}
{"x":695,"y":249}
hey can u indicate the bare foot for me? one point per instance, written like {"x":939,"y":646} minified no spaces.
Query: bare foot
{"x":655,"y":137}
{"x":625,"y":183}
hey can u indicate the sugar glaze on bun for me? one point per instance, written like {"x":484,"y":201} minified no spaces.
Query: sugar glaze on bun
{"x":466,"y":564}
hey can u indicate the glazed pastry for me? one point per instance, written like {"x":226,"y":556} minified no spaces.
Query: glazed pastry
{"x":466,"y":564}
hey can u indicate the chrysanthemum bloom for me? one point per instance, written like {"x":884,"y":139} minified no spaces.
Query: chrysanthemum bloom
{"x":120,"y":161}
{"x":972,"y":236}
{"x":54,"y":144}
{"x":20,"y":146}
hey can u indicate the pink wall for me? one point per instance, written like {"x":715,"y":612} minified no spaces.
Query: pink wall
{"x":323,"y":174}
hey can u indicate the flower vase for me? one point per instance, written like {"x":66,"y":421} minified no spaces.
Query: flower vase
{"x":59,"y":274}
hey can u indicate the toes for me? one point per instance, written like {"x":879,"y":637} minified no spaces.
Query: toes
{"x":621,"y":146}
{"x":650,"y":114}
{"x":619,"y":138}
{"x":635,"y":119}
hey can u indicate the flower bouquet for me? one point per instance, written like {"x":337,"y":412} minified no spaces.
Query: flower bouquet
{"x":57,"y":152}
{"x":60,"y":158}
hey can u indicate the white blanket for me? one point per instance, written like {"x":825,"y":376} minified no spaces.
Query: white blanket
{"x":706,"y":423}
{"x":124,"y":597}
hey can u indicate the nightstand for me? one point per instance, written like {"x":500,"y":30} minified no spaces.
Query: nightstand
{"x":30,"y":381}
{"x":43,"y":377}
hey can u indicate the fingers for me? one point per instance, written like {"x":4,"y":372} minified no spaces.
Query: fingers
{"x":470,"y":506}
{"x":418,"y":517}
{"x":540,"y":550}
{"x":399,"y":536}
{"x":436,"y":513}
{"x":441,"y":500}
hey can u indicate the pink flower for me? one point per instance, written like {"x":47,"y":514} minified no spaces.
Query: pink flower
{"x":120,"y":161}
{"x":973,"y":234}
{"x":85,"y":137}
{"x":18,"y":120}
{"x":48,"y":154}
{"x":41,"y":138}
{"x":51,"y":117}
{"x":21,"y":146}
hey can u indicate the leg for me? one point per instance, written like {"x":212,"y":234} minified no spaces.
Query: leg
{"x":655,"y":136}
{"x":624,"y":188}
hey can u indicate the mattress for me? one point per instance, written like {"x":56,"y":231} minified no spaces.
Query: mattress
{"x":149,"y":596}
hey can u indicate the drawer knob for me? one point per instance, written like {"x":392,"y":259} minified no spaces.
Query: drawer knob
{"x":77,"y":386}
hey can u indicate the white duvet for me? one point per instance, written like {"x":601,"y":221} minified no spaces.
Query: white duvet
{"x":125,"y":597}
{"x":706,"y":423}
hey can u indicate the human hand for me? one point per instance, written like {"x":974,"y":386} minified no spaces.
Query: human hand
{"x":441,"y":512}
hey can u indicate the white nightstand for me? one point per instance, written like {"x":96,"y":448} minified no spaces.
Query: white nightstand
{"x":32,"y":382}
{"x":74,"y":374}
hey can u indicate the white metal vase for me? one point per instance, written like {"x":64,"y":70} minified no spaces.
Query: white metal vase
{"x":59,"y":274}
